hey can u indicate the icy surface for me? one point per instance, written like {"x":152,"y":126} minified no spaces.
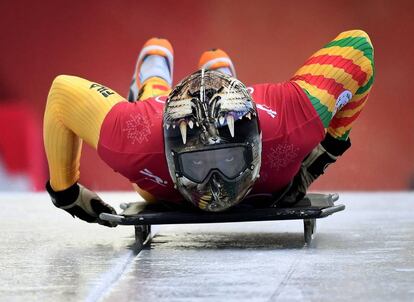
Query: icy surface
{"x":364,"y":254}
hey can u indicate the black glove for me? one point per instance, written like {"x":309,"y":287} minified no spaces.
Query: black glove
{"x":82,"y":203}
{"x":314,"y":165}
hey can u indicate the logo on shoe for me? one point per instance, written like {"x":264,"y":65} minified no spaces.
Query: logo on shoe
{"x":102,"y":89}
{"x":153,"y":178}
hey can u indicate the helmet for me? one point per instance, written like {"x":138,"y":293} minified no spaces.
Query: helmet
{"x":212,"y":140}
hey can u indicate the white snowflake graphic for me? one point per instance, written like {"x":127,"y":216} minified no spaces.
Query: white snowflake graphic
{"x":138,"y":128}
{"x":282,"y":155}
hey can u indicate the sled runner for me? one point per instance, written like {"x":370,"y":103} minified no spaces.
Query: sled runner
{"x":143,"y":215}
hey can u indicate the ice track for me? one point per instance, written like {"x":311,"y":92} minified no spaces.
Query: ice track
{"x":365,"y":253}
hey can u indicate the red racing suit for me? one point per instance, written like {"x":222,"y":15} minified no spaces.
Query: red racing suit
{"x":131,"y":139}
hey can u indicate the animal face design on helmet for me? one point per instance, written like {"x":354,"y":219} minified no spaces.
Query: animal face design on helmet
{"x":212,"y":140}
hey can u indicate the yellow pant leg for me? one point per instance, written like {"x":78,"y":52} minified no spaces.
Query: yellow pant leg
{"x":154,"y":87}
{"x":74,"y":113}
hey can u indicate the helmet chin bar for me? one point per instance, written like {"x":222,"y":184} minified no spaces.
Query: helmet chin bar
{"x":216,"y":194}
{"x":215,"y":188}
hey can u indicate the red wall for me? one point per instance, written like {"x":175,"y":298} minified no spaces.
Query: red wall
{"x":268,"y":40}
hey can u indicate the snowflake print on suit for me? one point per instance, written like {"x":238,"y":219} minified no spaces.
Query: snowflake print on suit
{"x":138,"y":128}
{"x":282,"y":155}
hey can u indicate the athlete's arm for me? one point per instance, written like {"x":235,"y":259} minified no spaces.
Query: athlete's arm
{"x":337,"y":80}
{"x":74,"y":113}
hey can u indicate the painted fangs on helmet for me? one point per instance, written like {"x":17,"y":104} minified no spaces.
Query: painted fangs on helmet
{"x":183,"y":130}
{"x":221,"y":120}
{"x":206,"y":197}
{"x":167,"y":126}
{"x":249,"y":116}
{"x":191,"y":124}
{"x":230,"y":124}
{"x":204,"y":201}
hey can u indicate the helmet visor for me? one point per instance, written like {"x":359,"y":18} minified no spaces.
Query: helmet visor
{"x":229,"y":161}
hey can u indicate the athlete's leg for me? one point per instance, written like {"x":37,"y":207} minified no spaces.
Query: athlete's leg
{"x":152,"y":77}
{"x":217,"y":59}
{"x":74,"y":113}
{"x":338,"y":79}
{"x":153,"y":70}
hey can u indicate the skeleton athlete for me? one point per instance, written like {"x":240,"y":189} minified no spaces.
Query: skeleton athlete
{"x":210,"y":141}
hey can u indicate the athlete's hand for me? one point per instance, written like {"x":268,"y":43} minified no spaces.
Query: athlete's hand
{"x":82,"y":203}
{"x":297,"y":189}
